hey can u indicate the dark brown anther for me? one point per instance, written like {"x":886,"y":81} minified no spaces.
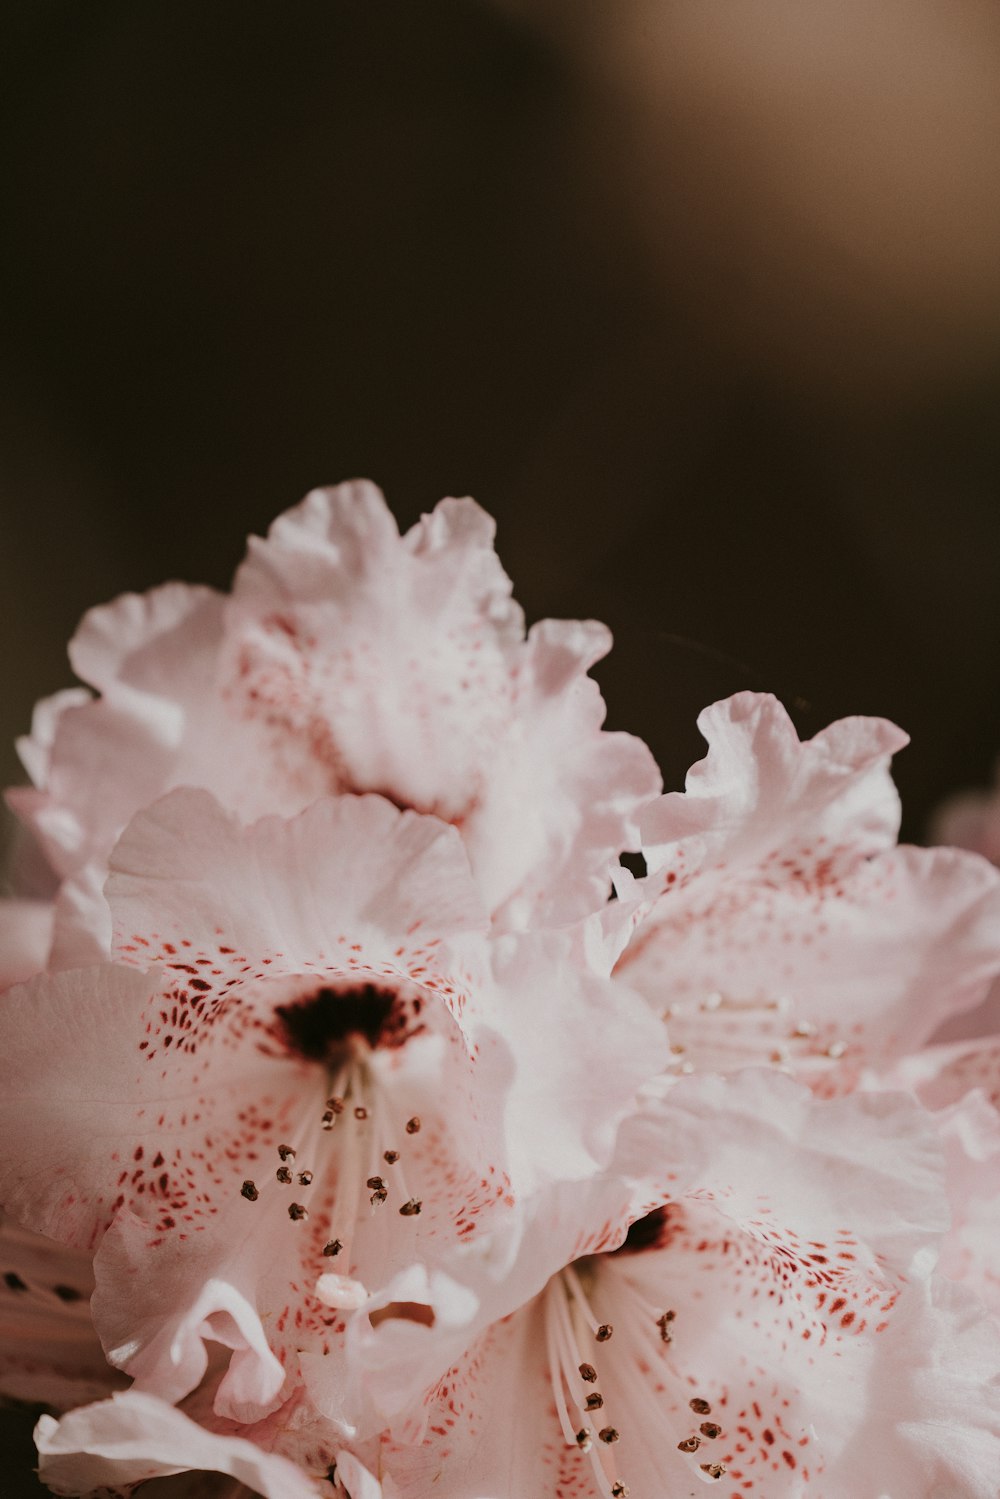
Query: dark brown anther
{"x":608,"y":1434}
{"x":604,"y":1332}
{"x":361,"y":1112}
{"x":375,"y":1183}
{"x":583,"y":1438}
{"x":689,"y":1444}
{"x":619,"y":1490}
{"x":390,"y":1157}
{"x":378,"y":1196}
{"x":663,"y":1323}
{"x":334,"y":1247}
{"x":413,"y":1126}
{"x":286,"y":1152}
{"x":710,"y":1429}
{"x":249,"y":1191}
{"x":335,"y":1105}
{"x":593,"y":1402}
{"x":328,"y":1120}
{"x":589,"y":1373}
{"x":714,"y":1470}
{"x":700,"y":1407}
{"x":284,"y":1175}
{"x":411,"y":1209}
{"x":297,"y":1212}
{"x":304,"y":1178}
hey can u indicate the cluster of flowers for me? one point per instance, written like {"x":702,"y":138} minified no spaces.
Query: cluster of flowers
{"x":367,"y":1129}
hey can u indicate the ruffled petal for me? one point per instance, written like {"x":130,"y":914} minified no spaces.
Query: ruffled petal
{"x":134,"y":1437}
{"x":781,"y":928}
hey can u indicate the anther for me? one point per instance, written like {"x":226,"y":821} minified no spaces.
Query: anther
{"x":663,"y":1323}
{"x":700,"y":1407}
{"x":375,"y":1183}
{"x":249,"y":1191}
{"x":413,"y":1126}
{"x":286,"y":1152}
{"x":361,"y":1112}
{"x":583,"y":1439}
{"x":714,"y":1470}
{"x":608,"y":1434}
{"x":589,"y":1373}
{"x":390,"y":1157}
{"x":710,"y":1429}
{"x":296,"y":1212}
{"x":284,"y":1175}
{"x":334,"y":1247}
{"x":689,"y":1444}
{"x":411,"y":1209}
{"x":593,"y":1402}
{"x":378,"y":1196}
{"x":304,"y":1178}
{"x":604,"y":1332}
{"x":619,"y":1490}
{"x":328,"y":1119}
{"x":335,"y":1105}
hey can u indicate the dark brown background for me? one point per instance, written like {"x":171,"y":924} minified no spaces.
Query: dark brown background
{"x":706,"y":313}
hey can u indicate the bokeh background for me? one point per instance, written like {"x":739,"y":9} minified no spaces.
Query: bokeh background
{"x":702,"y":302}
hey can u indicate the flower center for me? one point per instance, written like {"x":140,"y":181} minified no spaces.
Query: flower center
{"x":325,"y":1025}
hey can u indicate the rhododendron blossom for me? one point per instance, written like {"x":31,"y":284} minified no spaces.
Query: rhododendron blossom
{"x":743,"y":1330}
{"x":367,"y":1131}
{"x":348,"y":659}
{"x":314,"y":1065}
{"x":779,"y":924}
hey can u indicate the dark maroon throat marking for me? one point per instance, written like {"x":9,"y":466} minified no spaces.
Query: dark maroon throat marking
{"x":322,"y":1025}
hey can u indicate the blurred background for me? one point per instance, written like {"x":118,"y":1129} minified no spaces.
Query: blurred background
{"x":701,"y":302}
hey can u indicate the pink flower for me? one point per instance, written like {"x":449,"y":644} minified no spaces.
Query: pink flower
{"x":780,"y":925}
{"x":310,"y":1069}
{"x":348,"y":659}
{"x":767,"y":1323}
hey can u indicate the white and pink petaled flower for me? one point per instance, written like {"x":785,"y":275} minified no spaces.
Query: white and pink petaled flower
{"x":355,"y":1141}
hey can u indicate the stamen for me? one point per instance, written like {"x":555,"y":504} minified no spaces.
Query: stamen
{"x":411,"y":1208}
{"x":608,"y":1434}
{"x":700,"y":1407}
{"x":619,"y":1490}
{"x":589,"y":1373}
{"x":360,"y":1112}
{"x":689,"y":1444}
{"x":390,"y":1157}
{"x":714,"y":1470}
{"x":593,"y":1402}
{"x":305,"y":1178}
{"x":286,"y":1152}
{"x":710,"y":1429}
{"x":332,"y":1248}
{"x":297,"y":1212}
{"x":413,"y":1126}
{"x":283,"y":1175}
{"x":249,"y":1191}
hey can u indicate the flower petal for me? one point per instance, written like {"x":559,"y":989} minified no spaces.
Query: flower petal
{"x":134,"y":1437}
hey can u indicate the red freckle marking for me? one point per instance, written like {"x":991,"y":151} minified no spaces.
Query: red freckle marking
{"x":789,"y":1458}
{"x":767,"y":1435}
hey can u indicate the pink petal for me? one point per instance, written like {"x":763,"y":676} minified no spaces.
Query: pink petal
{"x":49,"y":1351}
{"x":134,"y":1437}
